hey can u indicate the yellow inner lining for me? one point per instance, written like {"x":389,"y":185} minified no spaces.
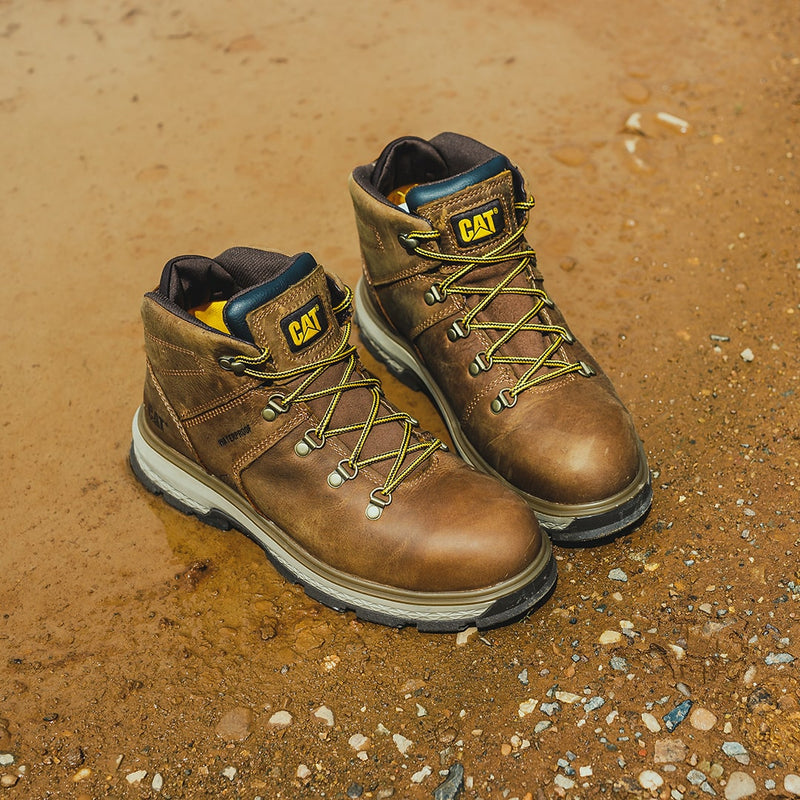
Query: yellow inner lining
{"x":211,"y":315}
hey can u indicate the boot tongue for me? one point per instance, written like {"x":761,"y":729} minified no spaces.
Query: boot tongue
{"x":290,"y":314}
{"x":472,"y":210}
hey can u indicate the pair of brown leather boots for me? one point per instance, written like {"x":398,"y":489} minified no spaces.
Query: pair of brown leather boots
{"x":258,"y":415}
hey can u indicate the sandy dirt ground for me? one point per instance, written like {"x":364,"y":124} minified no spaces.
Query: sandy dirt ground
{"x":144,"y":655}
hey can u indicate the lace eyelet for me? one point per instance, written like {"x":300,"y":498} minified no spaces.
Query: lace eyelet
{"x":503,"y":400}
{"x":481,"y":363}
{"x":586,"y":370}
{"x":378,"y":500}
{"x":340,"y":474}
{"x":409,"y":243}
{"x":311,"y":441}
{"x":456,"y":331}
{"x":232,"y":364}
{"x":434,"y":295}
{"x":274,"y":407}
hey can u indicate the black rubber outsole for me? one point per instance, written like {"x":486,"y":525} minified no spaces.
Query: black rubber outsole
{"x":502,"y":612}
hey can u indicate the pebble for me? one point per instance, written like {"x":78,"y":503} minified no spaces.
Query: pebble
{"x":463,"y":637}
{"x":81,"y":775}
{"x":570,"y":698}
{"x":650,"y":779}
{"x":229,"y":773}
{"x":563,"y":781}
{"x":235,"y":725}
{"x":695,"y":777}
{"x":778,"y":658}
{"x":670,"y":751}
{"x":651,"y":723}
{"x":420,"y":776}
{"x":542,"y":726}
{"x":618,"y":663}
{"x":618,"y":574}
{"x":281,"y":719}
{"x":550,"y":708}
{"x":523,"y":677}
{"x":740,"y":784}
{"x":358,"y":742}
{"x":450,"y":788}
{"x":158,"y":782}
{"x":527,"y":707}
{"x":325,"y":714}
{"x":677,"y":715}
{"x":701,"y":719}
{"x":593,"y":703}
{"x":733,"y":749}
{"x":401,"y":743}
{"x":355,"y":790}
{"x":6,"y":759}
{"x":792,"y":784}
{"x":7,"y":781}
{"x":303,"y":772}
{"x":135,"y":777}
{"x":610,"y":637}
{"x":747,"y":354}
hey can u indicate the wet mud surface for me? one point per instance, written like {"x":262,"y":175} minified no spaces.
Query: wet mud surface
{"x":145,"y":655}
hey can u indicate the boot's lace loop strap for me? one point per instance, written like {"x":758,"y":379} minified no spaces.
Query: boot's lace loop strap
{"x":504,"y":252}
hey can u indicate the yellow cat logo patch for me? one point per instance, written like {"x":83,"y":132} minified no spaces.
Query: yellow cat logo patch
{"x":304,"y":326}
{"x":477,"y":224}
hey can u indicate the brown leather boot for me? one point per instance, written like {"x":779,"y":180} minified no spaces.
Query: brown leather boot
{"x":257,"y":415}
{"x":452,"y":301}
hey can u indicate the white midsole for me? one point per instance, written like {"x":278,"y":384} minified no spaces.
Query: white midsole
{"x":202,"y":498}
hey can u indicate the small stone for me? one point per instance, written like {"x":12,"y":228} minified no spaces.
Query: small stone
{"x":733,"y":749}
{"x":6,"y":759}
{"x":677,"y":715}
{"x":450,"y":787}
{"x":303,"y":772}
{"x":563,"y":781}
{"x":542,"y":726}
{"x":701,"y":719}
{"x":355,"y":790}
{"x":81,"y":775}
{"x":523,"y":677}
{"x":585,"y":772}
{"x":740,"y":784}
{"x":570,"y":698}
{"x":281,"y":719}
{"x":778,"y":658}
{"x":136,"y":777}
{"x":567,"y":263}
{"x":235,"y":725}
{"x":593,"y":703}
{"x":505,"y":749}
{"x":401,"y":743}
{"x":695,"y":777}
{"x":618,"y":574}
{"x":158,"y":782}
{"x":420,"y":776}
{"x":619,"y":664}
{"x":325,"y":714}
{"x":649,"y":779}
{"x":527,"y":707}
{"x":421,"y":711}
{"x":8,"y":780}
{"x":610,"y":637}
{"x":358,"y":742}
{"x":550,"y":708}
{"x":792,"y":784}
{"x":749,"y":675}
{"x":670,"y":751}
{"x":747,"y":355}
{"x":229,"y":773}
{"x":465,"y":636}
{"x":651,"y":723}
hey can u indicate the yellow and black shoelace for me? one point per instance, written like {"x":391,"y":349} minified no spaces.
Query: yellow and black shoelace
{"x":413,"y":241}
{"x":315,"y":438}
